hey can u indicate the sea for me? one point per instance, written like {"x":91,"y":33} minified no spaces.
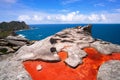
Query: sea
{"x":106,"y":32}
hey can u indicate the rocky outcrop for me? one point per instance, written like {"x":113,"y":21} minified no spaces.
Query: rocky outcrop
{"x":17,"y":40}
{"x":71,"y":40}
{"x":11,"y":69}
{"x":12,"y":43}
{"x":110,"y":70}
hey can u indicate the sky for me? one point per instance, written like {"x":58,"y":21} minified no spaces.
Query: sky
{"x":60,"y":11}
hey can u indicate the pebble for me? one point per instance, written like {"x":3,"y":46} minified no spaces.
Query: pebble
{"x":39,"y":67}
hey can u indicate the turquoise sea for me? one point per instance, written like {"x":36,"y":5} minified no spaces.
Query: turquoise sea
{"x":107,"y":32}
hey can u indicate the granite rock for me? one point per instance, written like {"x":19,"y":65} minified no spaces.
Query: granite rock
{"x":71,"y":40}
{"x":110,"y":70}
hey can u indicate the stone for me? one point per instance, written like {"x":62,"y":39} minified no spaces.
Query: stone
{"x":72,"y":41}
{"x":5,"y":49}
{"x":105,"y":47}
{"x":16,"y":38}
{"x":16,"y":43}
{"x":11,"y":69}
{"x":39,"y":67}
{"x":109,"y":70}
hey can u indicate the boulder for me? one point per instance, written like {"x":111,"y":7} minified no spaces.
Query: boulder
{"x":17,"y":40}
{"x":110,"y":70}
{"x":5,"y":49}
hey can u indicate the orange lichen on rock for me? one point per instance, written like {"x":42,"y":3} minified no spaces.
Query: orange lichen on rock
{"x":60,"y":71}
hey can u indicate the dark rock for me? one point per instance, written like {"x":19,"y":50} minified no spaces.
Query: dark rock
{"x":3,"y":42}
{"x":6,"y":50}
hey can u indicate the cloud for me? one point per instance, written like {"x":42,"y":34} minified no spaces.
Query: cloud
{"x":24,"y":17}
{"x":71,"y":17}
{"x":99,"y":4}
{"x":112,"y":0}
{"x":117,"y":10}
{"x":64,"y":2}
{"x":8,"y":1}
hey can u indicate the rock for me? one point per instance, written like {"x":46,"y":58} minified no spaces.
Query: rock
{"x":15,"y":47}
{"x":36,"y":48}
{"x":10,"y":69}
{"x":16,"y":43}
{"x":3,"y":42}
{"x":105,"y":47}
{"x":39,"y":67}
{"x":71,"y":40}
{"x":5,"y":49}
{"x":17,"y":40}
{"x":110,"y":70}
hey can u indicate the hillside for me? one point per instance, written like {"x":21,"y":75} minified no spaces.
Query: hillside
{"x":7,"y":28}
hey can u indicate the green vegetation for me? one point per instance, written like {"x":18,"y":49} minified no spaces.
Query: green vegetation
{"x":7,"y":28}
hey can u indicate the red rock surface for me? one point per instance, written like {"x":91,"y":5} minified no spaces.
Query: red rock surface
{"x":60,"y":71}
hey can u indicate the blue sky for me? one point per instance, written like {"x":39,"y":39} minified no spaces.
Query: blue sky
{"x":60,"y":11}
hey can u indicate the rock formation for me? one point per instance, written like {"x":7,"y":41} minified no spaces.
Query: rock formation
{"x":71,"y":40}
{"x":110,"y":70}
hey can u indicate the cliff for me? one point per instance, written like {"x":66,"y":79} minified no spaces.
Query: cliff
{"x":73,"y":54}
{"x":7,"y":28}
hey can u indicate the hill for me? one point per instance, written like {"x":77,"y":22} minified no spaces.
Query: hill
{"x":8,"y":28}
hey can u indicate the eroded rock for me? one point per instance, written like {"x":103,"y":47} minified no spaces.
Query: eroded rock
{"x":71,"y":40}
{"x":110,"y":70}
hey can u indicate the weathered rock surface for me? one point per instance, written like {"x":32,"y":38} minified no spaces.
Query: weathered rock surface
{"x":12,"y":43}
{"x":11,"y":69}
{"x":72,"y":41}
{"x":17,"y":40}
{"x":110,"y":70}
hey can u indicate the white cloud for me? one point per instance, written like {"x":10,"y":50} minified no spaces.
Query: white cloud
{"x":71,"y":17}
{"x":94,"y":17}
{"x":99,"y":4}
{"x":117,"y":10}
{"x":24,"y":17}
{"x":112,"y":0}
{"x":37,"y":18}
{"x":64,"y":2}
{"x":8,"y":1}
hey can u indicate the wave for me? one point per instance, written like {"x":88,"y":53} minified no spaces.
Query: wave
{"x":21,"y":35}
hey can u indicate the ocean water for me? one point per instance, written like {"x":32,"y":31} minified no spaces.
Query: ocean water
{"x":107,"y":32}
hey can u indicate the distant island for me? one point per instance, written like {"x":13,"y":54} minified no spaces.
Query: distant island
{"x":9,"y":28}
